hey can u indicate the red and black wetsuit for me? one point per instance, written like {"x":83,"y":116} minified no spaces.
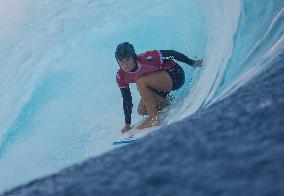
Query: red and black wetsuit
{"x":149,"y":62}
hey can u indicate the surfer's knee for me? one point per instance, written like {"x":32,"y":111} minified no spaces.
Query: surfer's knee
{"x":141,"y":82}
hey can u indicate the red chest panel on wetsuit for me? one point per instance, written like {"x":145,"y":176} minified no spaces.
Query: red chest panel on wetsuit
{"x":147,"y":62}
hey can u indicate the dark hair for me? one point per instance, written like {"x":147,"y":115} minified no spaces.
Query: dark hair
{"x":125,"y":50}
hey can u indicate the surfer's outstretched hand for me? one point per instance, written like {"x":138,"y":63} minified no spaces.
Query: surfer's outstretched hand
{"x":126,"y":128}
{"x":198,"y":63}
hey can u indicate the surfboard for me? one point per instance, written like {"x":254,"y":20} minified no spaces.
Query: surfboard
{"x":132,"y":135}
{"x":123,"y":141}
{"x":125,"y":138}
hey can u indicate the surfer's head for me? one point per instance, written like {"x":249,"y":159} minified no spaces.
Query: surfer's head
{"x":124,"y":50}
{"x":126,"y":56}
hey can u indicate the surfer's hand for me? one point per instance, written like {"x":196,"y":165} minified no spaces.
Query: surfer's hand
{"x":126,"y":128}
{"x":197,"y":63}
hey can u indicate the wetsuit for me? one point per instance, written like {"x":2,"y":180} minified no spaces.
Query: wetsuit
{"x":149,"y":62}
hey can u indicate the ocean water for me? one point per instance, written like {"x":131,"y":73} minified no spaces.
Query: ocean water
{"x":59,"y":103}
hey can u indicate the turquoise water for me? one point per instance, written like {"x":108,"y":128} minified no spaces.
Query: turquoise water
{"x":60,"y":104}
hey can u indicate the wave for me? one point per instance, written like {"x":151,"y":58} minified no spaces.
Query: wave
{"x":61,"y":104}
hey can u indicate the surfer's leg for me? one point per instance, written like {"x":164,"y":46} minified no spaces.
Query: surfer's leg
{"x":142,"y":110}
{"x":158,"y":81}
{"x":163,"y":102}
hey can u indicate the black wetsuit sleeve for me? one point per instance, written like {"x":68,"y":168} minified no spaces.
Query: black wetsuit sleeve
{"x":127,"y":104}
{"x":172,"y":54}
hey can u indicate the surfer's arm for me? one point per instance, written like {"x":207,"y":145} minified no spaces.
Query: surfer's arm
{"x":172,"y":54}
{"x":127,"y":104}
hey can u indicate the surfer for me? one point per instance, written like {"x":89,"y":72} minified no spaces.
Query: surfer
{"x":155,"y":73}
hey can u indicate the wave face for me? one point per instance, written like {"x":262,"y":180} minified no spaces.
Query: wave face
{"x":60,"y":104}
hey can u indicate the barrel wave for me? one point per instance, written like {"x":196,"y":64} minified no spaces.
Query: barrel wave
{"x":59,"y":102}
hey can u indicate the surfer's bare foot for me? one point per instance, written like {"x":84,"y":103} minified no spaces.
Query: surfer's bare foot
{"x":150,"y":122}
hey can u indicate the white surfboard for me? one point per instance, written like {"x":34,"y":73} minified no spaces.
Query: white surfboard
{"x":135,"y":133}
{"x":132,"y":135}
